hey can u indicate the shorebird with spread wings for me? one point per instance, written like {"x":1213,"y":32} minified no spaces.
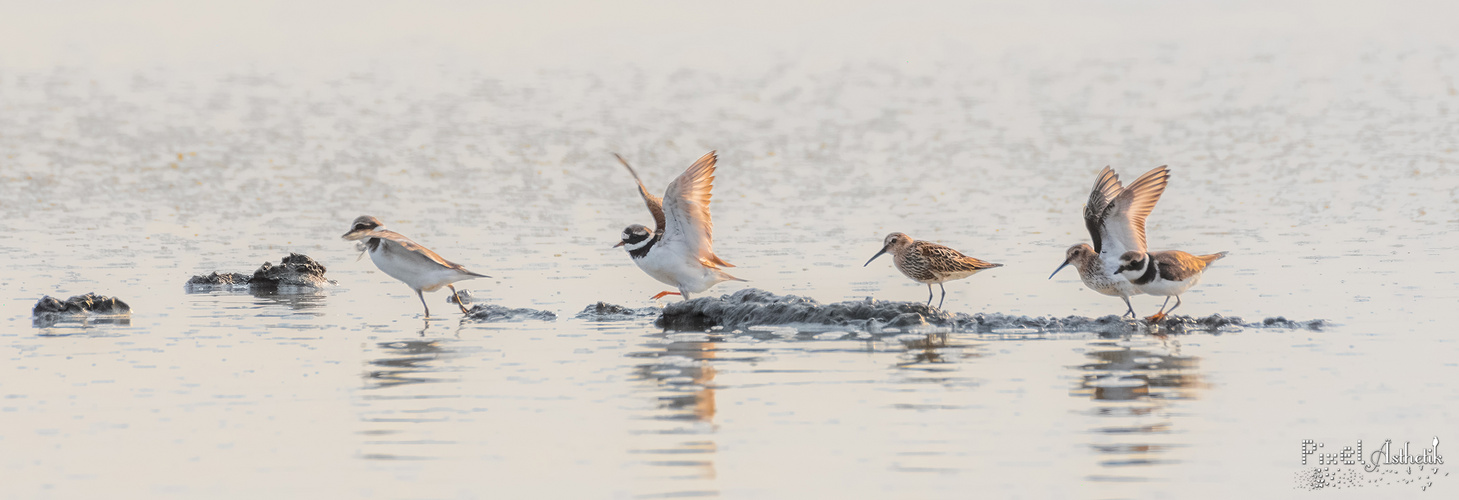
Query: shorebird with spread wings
{"x":1115,"y":216}
{"x":679,"y":251}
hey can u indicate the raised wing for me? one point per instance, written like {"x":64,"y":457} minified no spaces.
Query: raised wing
{"x":686,"y":210}
{"x":655,"y":205}
{"x":397,"y":244}
{"x":1106,"y":188}
{"x":1124,"y":218}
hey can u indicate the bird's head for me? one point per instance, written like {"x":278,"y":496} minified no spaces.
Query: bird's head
{"x":361,"y":227}
{"x":634,"y":237}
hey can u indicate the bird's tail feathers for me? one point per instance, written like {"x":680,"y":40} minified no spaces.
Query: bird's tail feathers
{"x":1213,"y":257}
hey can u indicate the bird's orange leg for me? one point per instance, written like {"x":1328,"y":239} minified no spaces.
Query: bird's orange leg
{"x":662,"y":294}
{"x":1159,"y":315}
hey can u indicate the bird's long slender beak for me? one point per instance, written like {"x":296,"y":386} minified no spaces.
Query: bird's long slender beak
{"x":619,"y":244}
{"x":1061,"y":268}
{"x":878,"y":254}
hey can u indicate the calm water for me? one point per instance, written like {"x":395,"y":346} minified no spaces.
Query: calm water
{"x":1321,"y":152}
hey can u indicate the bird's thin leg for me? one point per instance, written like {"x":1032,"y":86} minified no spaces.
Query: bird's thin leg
{"x":929,"y":295}
{"x":459,"y":302}
{"x":1161,"y":315}
{"x":662,"y":294}
{"x":684,"y":293}
{"x":1163,"y":304}
{"x":944,"y":294}
{"x":423,"y":302}
{"x":1177,"y":304}
{"x":1131,"y":308}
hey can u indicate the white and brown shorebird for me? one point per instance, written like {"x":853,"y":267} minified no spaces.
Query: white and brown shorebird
{"x":679,"y":252}
{"x":400,"y":258}
{"x":1115,"y":217}
{"x":1169,"y":273}
{"x":927,"y":262}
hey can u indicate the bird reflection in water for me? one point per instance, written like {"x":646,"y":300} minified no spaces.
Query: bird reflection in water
{"x":934,"y":352}
{"x":681,"y":379}
{"x":409,"y":362}
{"x":1133,"y":385}
{"x":398,"y":425}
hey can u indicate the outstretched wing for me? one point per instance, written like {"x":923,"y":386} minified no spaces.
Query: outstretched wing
{"x":655,"y":205}
{"x":686,"y":210}
{"x":1124,"y":218}
{"x":1106,"y":188}
{"x":398,"y":244}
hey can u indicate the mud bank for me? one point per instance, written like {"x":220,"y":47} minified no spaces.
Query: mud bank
{"x":752,"y":307}
{"x":755,"y":307}
{"x":295,"y":270}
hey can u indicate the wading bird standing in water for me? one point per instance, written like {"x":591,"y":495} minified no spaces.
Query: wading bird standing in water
{"x":1115,"y":217}
{"x":679,"y":252}
{"x":420,"y":268}
{"x":927,"y":262}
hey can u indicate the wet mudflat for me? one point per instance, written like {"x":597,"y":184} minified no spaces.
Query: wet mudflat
{"x":1326,"y":167}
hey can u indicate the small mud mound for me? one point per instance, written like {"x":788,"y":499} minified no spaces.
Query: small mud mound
{"x":493,"y":313}
{"x":604,"y":311}
{"x":80,"y":305}
{"x":751,"y":307}
{"x":465,"y":297}
{"x":89,"y":308}
{"x":295,"y":270}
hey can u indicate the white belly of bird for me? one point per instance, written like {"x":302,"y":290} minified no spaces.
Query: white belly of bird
{"x":411,"y":271}
{"x":1168,"y":288}
{"x":673,"y":268}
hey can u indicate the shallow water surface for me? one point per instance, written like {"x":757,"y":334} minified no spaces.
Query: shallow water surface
{"x":1327,"y":170}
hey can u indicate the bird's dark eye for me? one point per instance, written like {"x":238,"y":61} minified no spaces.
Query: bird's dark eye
{"x":361,"y":227}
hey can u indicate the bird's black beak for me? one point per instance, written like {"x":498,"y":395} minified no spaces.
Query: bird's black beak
{"x":878,"y":254}
{"x":1061,"y":268}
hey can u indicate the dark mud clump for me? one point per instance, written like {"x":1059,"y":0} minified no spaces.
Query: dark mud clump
{"x":220,"y":279}
{"x":462,"y":297}
{"x":89,"y":308}
{"x":295,"y":270}
{"x":604,"y":311}
{"x":751,"y":307}
{"x":80,"y":305}
{"x":492,"y":313}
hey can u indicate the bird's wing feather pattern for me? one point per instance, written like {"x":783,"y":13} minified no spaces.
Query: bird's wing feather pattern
{"x":398,"y":243}
{"x":1124,"y":218}
{"x":686,"y":210}
{"x":1106,"y":188}
{"x":947,"y":260}
{"x":655,"y":204}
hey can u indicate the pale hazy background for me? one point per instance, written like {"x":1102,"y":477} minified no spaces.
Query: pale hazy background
{"x":141,"y":143}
